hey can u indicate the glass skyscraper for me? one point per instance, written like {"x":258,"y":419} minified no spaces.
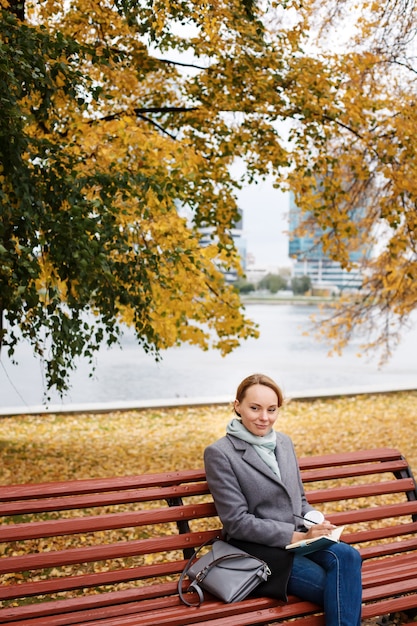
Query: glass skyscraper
{"x":310,"y":260}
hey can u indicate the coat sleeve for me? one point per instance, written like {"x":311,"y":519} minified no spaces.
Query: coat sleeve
{"x":232,"y":505}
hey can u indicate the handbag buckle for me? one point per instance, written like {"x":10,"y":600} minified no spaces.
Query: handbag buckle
{"x":202,"y":574}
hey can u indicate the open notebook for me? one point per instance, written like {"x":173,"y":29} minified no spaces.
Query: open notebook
{"x":304,"y":546}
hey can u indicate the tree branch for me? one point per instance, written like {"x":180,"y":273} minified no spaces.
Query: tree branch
{"x":158,"y":126}
{"x":402,"y":64}
{"x":140,"y":112}
{"x":192,"y":65}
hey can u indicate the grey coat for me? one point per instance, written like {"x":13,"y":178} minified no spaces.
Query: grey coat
{"x":256,"y":507}
{"x":251,"y":501}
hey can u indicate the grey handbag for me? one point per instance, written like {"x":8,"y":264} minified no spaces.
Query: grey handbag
{"x":225,"y":571}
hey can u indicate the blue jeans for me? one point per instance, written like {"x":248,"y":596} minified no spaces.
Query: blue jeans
{"x":332,"y":579}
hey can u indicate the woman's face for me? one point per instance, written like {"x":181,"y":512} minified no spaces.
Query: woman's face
{"x":258,"y":409}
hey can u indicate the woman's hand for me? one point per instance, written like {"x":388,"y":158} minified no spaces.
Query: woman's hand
{"x":316,"y":530}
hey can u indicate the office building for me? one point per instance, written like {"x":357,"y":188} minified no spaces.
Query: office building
{"x":310,"y":260}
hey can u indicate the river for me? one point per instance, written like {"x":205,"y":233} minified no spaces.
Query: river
{"x":299,"y":364}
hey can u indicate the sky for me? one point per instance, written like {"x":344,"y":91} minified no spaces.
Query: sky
{"x":265,"y":222}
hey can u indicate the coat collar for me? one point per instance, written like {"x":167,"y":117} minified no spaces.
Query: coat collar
{"x":250,"y":456}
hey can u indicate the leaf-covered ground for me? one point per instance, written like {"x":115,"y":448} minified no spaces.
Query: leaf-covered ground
{"x":63,"y":446}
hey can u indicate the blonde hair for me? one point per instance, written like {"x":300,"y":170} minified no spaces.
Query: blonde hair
{"x":258,"y":379}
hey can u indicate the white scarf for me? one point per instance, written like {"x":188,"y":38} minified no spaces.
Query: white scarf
{"x":264,"y":446}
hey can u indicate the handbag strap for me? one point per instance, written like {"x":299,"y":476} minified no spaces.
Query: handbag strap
{"x":184,"y":574}
{"x":203,"y":573}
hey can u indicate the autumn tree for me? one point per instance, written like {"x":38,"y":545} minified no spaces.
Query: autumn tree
{"x":354,"y":161}
{"x":108,"y":173}
{"x":120,"y":124}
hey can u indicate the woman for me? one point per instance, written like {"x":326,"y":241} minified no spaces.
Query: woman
{"x":254,"y":477}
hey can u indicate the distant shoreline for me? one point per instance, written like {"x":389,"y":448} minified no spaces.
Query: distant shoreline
{"x":270,"y":299}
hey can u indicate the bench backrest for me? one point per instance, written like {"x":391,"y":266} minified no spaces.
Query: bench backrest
{"x":116,"y":533}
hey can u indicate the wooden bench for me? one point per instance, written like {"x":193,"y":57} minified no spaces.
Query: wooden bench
{"x":109,"y":551}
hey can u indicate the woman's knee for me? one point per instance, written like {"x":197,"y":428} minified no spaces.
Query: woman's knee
{"x":341,"y":556}
{"x":348,"y":553}
{"x":347,"y":559}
